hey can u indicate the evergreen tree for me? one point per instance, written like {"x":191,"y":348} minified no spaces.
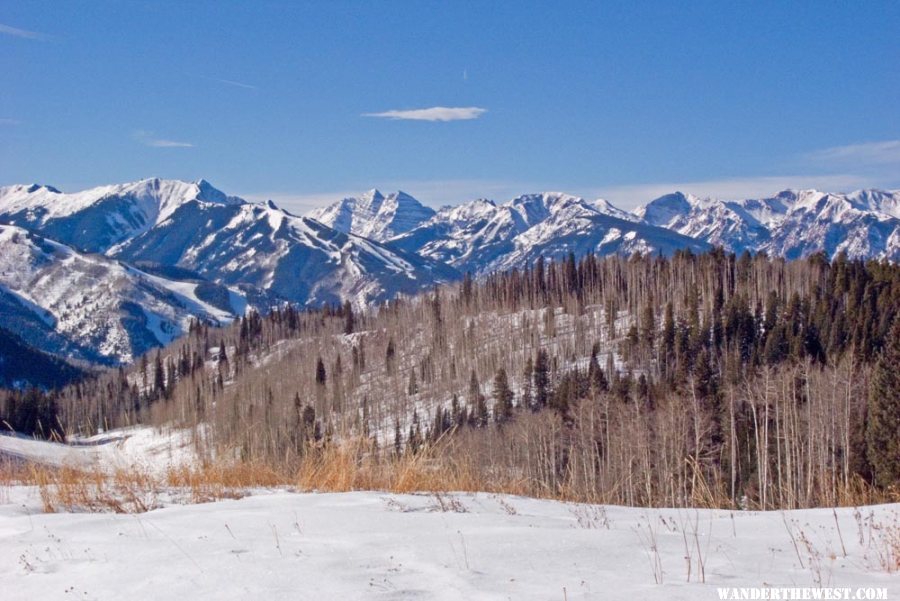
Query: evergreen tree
{"x":527,"y":396}
{"x":389,"y":355}
{"x":883,"y":426}
{"x":503,"y":397}
{"x":321,"y":376}
{"x":596,"y":377}
{"x":541,"y":379}
{"x":457,"y":413}
{"x":349,"y":318}
{"x":159,"y":376}
{"x":477,"y":402}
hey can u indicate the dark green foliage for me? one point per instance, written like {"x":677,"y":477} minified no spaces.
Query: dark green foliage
{"x":389,"y":356}
{"x":321,"y":376}
{"x":477,"y":403}
{"x":541,"y":377}
{"x":503,"y":397}
{"x":596,"y":378}
{"x":349,"y":318}
{"x":33,"y":413}
{"x":883,"y":429}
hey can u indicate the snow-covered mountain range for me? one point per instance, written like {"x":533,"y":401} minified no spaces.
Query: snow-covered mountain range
{"x":107,"y":273}
{"x":482,"y":236}
{"x":792,"y":224}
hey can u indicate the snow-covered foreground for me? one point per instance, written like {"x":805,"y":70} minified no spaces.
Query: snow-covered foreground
{"x":284,"y":545}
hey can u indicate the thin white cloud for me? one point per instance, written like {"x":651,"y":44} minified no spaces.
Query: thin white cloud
{"x":22,"y":33}
{"x":230,"y":82}
{"x":435,"y":113}
{"x":4,"y":121}
{"x":237,"y":84}
{"x":886,"y":152}
{"x":163,"y":143}
{"x":148,"y":139}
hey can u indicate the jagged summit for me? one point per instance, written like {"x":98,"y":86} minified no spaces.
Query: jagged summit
{"x":374,"y":215}
{"x":481,"y":236}
{"x":792,"y":223}
{"x":101,"y":217}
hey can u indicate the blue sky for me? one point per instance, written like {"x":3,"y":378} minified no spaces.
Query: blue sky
{"x":307,"y":102}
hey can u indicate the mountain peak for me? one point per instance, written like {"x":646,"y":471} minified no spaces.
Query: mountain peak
{"x":664,"y":210}
{"x":35,"y":187}
{"x":373,"y":195}
{"x":374,"y":215}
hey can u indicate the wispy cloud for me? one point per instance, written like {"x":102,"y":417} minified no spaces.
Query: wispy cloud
{"x":230,"y":82}
{"x":22,"y":33}
{"x":886,"y":152}
{"x":435,"y":113}
{"x":148,"y":139}
{"x":4,"y":121}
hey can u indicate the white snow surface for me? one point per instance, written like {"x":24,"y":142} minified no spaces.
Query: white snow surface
{"x":280,"y":544}
{"x":147,"y":449}
{"x":360,"y":545}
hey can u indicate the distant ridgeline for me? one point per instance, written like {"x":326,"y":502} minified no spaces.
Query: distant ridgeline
{"x":703,"y":379}
{"x":105,"y":275}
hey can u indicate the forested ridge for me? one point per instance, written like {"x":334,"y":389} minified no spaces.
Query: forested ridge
{"x":710,"y":379}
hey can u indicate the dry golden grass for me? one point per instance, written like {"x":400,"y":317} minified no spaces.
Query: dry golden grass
{"x":349,"y":466}
{"x":859,"y":492}
{"x":341,"y":468}
{"x":71,"y":489}
{"x":215,"y":481}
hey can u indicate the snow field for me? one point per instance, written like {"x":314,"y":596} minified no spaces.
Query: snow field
{"x":284,"y":545}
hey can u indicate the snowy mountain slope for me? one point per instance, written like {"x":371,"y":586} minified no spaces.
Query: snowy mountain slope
{"x":287,"y":545}
{"x":792,"y":224}
{"x":90,"y":307}
{"x":374,"y":215}
{"x":481,"y":236}
{"x":271,"y":255}
{"x":288,"y":257}
{"x":94,"y":220}
{"x":720,"y":223}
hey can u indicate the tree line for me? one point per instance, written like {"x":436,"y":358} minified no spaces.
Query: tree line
{"x":697,"y":379}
